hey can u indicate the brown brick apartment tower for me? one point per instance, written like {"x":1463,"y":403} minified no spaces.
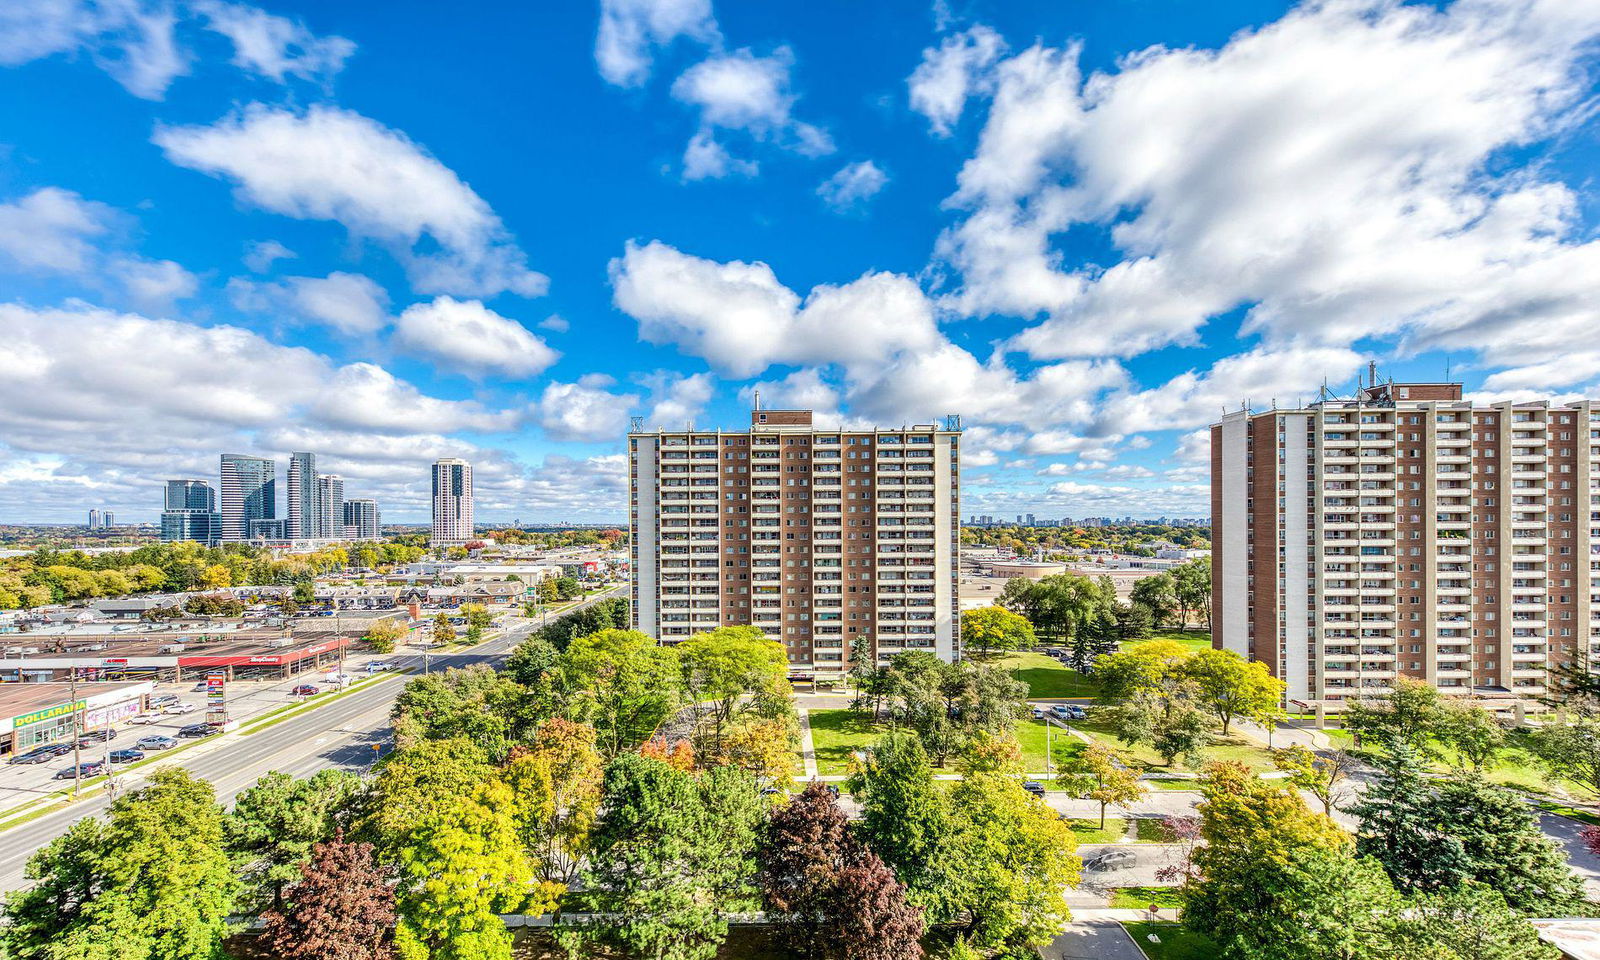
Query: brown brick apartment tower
{"x":1407,"y":532}
{"x":817,"y":536}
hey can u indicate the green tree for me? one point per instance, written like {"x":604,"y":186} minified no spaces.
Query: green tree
{"x":305,"y":591}
{"x":443,"y":632}
{"x":732,"y":671}
{"x":1468,"y":922}
{"x":414,"y":784}
{"x":673,"y":853}
{"x":1192,"y":583}
{"x":1569,"y":749}
{"x":906,"y":820}
{"x":384,"y":635}
{"x":1317,"y":774}
{"x":275,"y":824}
{"x":476,"y":703}
{"x":556,"y":783}
{"x":462,"y":865}
{"x":152,"y":883}
{"x":622,"y":682}
{"x":1472,"y":733}
{"x":1229,"y":687}
{"x":1159,"y":595}
{"x":567,"y":588}
{"x":992,"y":628}
{"x":1098,"y":773}
{"x":1408,"y":715}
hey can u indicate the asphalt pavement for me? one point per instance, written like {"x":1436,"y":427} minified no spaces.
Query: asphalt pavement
{"x":339,"y":734}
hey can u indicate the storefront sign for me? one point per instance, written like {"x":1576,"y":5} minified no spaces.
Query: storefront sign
{"x":49,"y":713}
{"x":106,"y":716}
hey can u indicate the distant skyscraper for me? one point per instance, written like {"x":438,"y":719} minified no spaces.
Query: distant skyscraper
{"x":361,"y":519}
{"x":330,"y":507}
{"x":267,"y":528}
{"x":94,"y":519}
{"x":190,"y":512}
{"x":249,"y":492}
{"x":452,"y":501}
{"x":107,"y":520}
{"x":305,"y":514}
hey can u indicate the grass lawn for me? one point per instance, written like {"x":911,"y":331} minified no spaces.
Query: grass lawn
{"x":1193,"y":639}
{"x":1088,"y":831}
{"x":1516,"y":768}
{"x":1150,"y":829}
{"x":1582,"y":816}
{"x":1172,"y":784}
{"x":837,"y":734}
{"x":1140,"y":898}
{"x":1046,"y":677}
{"x":1175,"y":943}
{"x":1238,"y":748}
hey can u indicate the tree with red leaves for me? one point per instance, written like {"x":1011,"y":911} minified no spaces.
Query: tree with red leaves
{"x":341,"y":909}
{"x":837,"y":897}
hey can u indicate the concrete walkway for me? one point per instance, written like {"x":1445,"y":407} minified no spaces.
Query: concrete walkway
{"x":1284,"y":736}
{"x":808,"y":747}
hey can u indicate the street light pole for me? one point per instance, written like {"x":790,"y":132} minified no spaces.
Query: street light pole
{"x":77,"y":731}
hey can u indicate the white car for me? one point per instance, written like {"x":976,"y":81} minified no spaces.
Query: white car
{"x":174,"y":709}
{"x":377,"y":666}
{"x":145,"y":718}
{"x":339,"y":678}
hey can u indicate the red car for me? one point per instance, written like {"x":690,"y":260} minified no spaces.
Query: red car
{"x":305,"y":690}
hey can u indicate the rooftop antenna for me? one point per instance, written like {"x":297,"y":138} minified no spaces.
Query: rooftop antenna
{"x":1372,"y":373}
{"x":758,"y":400}
{"x":1447,"y":368}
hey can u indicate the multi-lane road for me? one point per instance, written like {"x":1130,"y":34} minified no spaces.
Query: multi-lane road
{"x":340,"y":734}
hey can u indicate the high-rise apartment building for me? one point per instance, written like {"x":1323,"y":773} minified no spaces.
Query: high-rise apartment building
{"x":820,"y":537}
{"x":361,"y":521}
{"x":330,"y":507}
{"x":249,"y":492}
{"x":452,"y":501}
{"x":1407,"y":533}
{"x":304,"y":521}
{"x":189,"y":512}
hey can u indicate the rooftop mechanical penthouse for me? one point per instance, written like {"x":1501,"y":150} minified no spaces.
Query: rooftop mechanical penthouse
{"x":818,"y":536}
{"x":1407,"y":533}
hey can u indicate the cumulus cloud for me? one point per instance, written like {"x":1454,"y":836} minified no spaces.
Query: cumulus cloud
{"x":743,"y":92}
{"x":331,"y":164}
{"x":275,"y":47}
{"x":584,"y":411}
{"x":1337,"y":173}
{"x":349,"y":303}
{"x":632,"y":30}
{"x":951,"y":73}
{"x":262,"y":254}
{"x":676,"y":400}
{"x":852,"y":186}
{"x":467,"y":337}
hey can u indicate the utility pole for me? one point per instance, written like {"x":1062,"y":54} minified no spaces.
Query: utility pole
{"x":77,"y":731}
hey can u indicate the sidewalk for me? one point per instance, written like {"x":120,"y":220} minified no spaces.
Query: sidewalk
{"x":808,"y":748}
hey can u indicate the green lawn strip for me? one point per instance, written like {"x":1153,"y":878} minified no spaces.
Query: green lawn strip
{"x":1193,"y":639}
{"x":1090,"y":831}
{"x":1517,"y":768}
{"x":289,"y":713}
{"x":1172,"y":941}
{"x":836,"y":734}
{"x":1233,"y":747}
{"x":1140,"y":898}
{"x":1047,"y":678}
{"x":1168,"y":783}
{"x":1151,"y":829}
{"x":1572,"y":813}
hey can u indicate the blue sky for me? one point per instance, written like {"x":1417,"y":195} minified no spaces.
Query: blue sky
{"x":392,"y":232}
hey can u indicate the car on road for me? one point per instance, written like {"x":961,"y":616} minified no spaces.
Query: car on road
{"x":92,"y":768}
{"x":200,"y":687}
{"x":1114,"y":860}
{"x":378,"y":666}
{"x":97,"y":736}
{"x":155,"y":743}
{"x":126,"y":756}
{"x":1038,"y":713}
{"x":177,"y":709}
{"x":305,"y":690}
{"x":1034,"y":787}
{"x":162,"y":699}
{"x":197,"y":730}
{"x":40,"y":754}
{"x":145,"y":718}
{"x":339,"y":678}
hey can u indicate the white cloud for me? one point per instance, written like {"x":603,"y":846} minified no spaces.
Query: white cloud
{"x":740,"y":91}
{"x":53,"y":229}
{"x":630,"y":31}
{"x":584,"y":411}
{"x":260,"y":256}
{"x":154,"y":284}
{"x":952,"y":72}
{"x":132,"y":40}
{"x":349,"y":303}
{"x":854,"y":184}
{"x":555,"y":322}
{"x":1340,"y":173}
{"x":333,"y":164}
{"x":1121,"y":471}
{"x":276,"y":47}
{"x":741,"y":319}
{"x":364,"y":396}
{"x":677,"y":400}
{"x":467,"y":337}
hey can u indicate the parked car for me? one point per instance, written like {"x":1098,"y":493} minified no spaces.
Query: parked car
{"x":41,"y":754}
{"x":200,"y":687}
{"x":1038,"y":713}
{"x":1034,"y":787}
{"x":197,"y":730}
{"x":1075,"y":712}
{"x":1115,"y":860}
{"x":126,"y":756}
{"x":92,"y":768}
{"x":162,"y":699}
{"x":177,"y":709}
{"x":97,"y":736}
{"x":1060,"y":712}
{"x":145,"y":718}
{"x":155,"y":743}
{"x":305,"y":690}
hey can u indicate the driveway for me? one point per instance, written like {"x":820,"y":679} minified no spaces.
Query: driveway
{"x":1093,"y":940}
